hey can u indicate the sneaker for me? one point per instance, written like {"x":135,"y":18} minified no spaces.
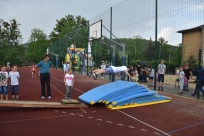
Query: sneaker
{"x":94,"y":75}
{"x":43,"y":97}
{"x":90,"y":73}
{"x":68,"y":98}
{"x":49,"y":97}
{"x":192,"y":94}
{"x":180,"y":93}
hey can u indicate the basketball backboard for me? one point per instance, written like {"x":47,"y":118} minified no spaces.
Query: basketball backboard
{"x":95,"y":30}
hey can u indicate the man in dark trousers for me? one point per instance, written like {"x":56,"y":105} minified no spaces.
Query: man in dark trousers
{"x":45,"y":65}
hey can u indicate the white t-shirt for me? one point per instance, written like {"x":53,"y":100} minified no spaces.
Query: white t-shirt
{"x":181,"y":75}
{"x":161,"y":68}
{"x":14,"y":77}
{"x":69,"y":79}
{"x":3,"y":77}
{"x":68,"y":66}
{"x":151,"y":73}
{"x":118,"y":69}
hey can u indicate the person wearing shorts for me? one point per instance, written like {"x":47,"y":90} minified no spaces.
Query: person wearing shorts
{"x":14,"y":75}
{"x":161,"y":72}
{"x":33,"y":71}
{"x":151,"y":76}
{"x":111,"y":70}
{"x":3,"y":82}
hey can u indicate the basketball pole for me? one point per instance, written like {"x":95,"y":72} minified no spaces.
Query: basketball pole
{"x":156,"y":47}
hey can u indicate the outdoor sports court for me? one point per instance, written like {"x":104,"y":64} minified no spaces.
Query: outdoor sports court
{"x":180,"y":117}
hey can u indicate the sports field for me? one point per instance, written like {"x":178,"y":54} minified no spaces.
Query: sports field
{"x":180,"y":117}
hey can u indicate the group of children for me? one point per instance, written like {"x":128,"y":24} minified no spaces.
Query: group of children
{"x":14,"y":82}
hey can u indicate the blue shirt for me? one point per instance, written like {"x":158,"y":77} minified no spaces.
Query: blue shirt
{"x":44,"y":66}
{"x":201,"y":72}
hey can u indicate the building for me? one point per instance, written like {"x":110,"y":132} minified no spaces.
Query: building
{"x":192,"y":41}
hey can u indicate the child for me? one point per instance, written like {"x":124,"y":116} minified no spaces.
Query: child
{"x":185,"y":88}
{"x":69,"y":82}
{"x":33,"y":70}
{"x":161,"y":72}
{"x":68,"y":66}
{"x":151,"y":76}
{"x":181,"y":80}
{"x":64,"y":67}
{"x":3,"y":82}
{"x":14,"y":75}
{"x":110,"y":70}
{"x":84,"y":70}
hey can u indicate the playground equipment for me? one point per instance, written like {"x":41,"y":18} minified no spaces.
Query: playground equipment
{"x":77,"y":57}
{"x":123,"y":94}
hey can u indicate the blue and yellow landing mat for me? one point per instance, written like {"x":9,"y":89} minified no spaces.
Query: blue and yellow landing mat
{"x":123,"y":94}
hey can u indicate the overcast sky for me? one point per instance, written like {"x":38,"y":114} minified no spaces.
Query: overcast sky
{"x":43,"y":13}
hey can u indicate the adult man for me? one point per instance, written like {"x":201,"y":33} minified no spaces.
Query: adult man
{"x":161,"y":72}
{"x":45,"y":65}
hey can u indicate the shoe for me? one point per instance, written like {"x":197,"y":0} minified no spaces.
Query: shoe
{"x":43,"y":97}
{"x":94,"y":75}
{"x":90,"y":73}
{"x":49,"y":97}
{"x":159,"y":88}
{"x":162,"y":89}
{"x":68,"y":98}
{"x":192,"y":94}
{"x":180,"y":93}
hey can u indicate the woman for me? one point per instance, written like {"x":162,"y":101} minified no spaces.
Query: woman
{"x":187,"y":71}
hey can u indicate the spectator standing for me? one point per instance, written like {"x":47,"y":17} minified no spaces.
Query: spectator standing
{"x":45,"y":65}
{"x":161,"y":73}
{"x":3,"y":83}
{"x":14,"y":75}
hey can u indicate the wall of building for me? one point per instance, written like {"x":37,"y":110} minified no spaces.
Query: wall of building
{"x":192,"y":42}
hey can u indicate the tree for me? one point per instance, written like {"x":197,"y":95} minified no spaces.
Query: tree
{"x":10,"y":34}
{"x":149,"y":52}
{"x":193,"y":63}
{"x":75,"y":27}
{"x":37,"y":45}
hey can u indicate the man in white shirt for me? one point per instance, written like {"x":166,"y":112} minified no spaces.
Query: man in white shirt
{"x":161,"y":73}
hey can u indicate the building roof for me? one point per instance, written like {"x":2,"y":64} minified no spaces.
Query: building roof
{"x":191,"y":29}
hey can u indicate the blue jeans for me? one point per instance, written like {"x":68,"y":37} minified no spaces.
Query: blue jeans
{"x":3,"y":90}
{"x":201,"y":89}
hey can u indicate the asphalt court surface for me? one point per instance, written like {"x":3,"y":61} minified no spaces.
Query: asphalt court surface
{"x":180,"y":117}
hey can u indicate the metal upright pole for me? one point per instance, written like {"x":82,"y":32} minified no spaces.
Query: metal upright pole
{"x":199,"y":76}
{"x":111,"y":50}
{"x":87,"y":67}
{"x":74,"y":49}
{"x":123,"y":61}
{"x":156,"y":45}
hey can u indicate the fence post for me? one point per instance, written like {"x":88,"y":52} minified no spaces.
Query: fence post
{"x":199,"y":75}
{"x":156,"y":46}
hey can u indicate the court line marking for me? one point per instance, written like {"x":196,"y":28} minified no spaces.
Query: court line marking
{"x":13,"y":121}
{"x":183,"y":97}
{"x":144,"y":123}
{"x":63,"y":82}
{"x":180,"y":129}
{"x":64,"y":95}
{"x":109,"y":122}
